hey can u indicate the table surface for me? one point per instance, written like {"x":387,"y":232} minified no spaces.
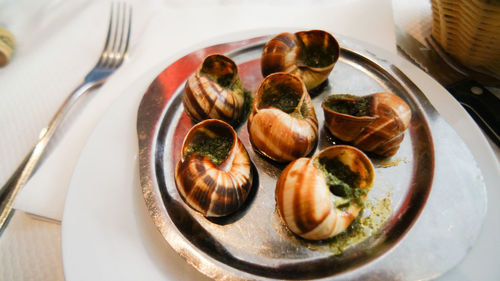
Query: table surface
{"x":28,"y":237}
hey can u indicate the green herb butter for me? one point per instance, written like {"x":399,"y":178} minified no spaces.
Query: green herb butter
{"x":224,"y":80}
{"x":215,"y":148}
{"x":342,"y":182}
{"x":363,"y":227}
{"x":315,"y":56}
{"x":349,"y":104}
{"x":368,"y":223}
{"x":282,"y":98}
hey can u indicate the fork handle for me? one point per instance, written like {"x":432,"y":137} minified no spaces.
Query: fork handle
{"x":30,"y":163}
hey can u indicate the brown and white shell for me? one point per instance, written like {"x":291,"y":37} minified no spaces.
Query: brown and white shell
{"x":214,"y":91}
{"x":305,"y":202}
{"x":310,"y":55}
{"x":380,"y":130}
{"x":287,"y":132}
{"x":214,"y":190}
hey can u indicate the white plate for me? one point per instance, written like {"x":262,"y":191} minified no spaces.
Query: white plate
{"x":107,"y":233}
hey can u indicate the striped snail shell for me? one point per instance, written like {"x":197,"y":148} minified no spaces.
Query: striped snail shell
{"x":214,"y":91}
{"x":373,"y":123}
{"x":213,"y":176}
{"x":319,"y":197}
{"x":283,"y":124}
{"x":310,"y":55}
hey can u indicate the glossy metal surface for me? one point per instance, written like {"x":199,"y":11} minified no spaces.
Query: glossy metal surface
{"x":437,"y":193}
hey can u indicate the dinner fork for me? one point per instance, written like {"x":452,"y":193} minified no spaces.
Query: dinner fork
{"x":112,"y":56}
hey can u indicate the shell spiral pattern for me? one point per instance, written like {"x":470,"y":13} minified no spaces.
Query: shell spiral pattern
{"x":373,"y":123}
{"x":283,"y":125}
{"x":306,"y":195}
{"x":311,"y":55}
{"x":214,"y":175}
{"x":214,"y":91}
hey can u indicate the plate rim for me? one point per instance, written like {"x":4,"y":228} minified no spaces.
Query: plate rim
{"x":154,"y":199}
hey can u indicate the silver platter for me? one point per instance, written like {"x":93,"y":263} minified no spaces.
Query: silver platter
{"x":437,"y":195}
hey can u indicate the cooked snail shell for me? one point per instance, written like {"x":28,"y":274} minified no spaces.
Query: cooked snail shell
{"x":373,"y":123}
{"x":215,"y":91}
{"x":283,"y":124}
{"x":213,"y":176}
{"x":319,"y":197}
{"x":310,"y":55}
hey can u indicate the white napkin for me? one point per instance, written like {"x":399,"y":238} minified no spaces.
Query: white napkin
{"x":60,"y":41}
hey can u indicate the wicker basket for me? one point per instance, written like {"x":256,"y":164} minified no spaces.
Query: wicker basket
{"x":469,"y":30}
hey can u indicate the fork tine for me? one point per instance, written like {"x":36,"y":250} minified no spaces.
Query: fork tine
{"x":113,"y":31}
{"x":120,"y":29}
{"x":122,"y":49}
{"x":104,"y":53}
{"x":113,"y":51}
{"x":118,"y":37}
{"x":118,"y":52}
{"x":109,"y":51}
{"x":125,"y":51}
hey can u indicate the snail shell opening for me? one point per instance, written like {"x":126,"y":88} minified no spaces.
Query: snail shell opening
{"x":214,"y":175}
{"x":282,"y":91}
{"x":320,"y":197}
{"x":215,"y":91}
{"x":319,"y":49}
{"x":211,"y":138}
{"x":283,"y":125}
{"x":220,"y":68}
{"x":346,"y":116}
{"x":374,"y":123}
{"x":357,"y":162}
{"x":311,"y":55}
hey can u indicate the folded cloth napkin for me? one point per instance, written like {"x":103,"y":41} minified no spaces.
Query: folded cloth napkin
{"x":60,"y":41}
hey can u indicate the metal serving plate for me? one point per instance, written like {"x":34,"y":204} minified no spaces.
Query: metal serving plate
{"x":435,"y":216}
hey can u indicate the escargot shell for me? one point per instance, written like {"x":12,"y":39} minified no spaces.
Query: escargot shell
{"x":373,"y":123}
{"x":310,"y":55}
{"x":283,"y":125}
{"x":213,"y":176}
{"x":319,"y":197}
{"x":215,"y":91}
